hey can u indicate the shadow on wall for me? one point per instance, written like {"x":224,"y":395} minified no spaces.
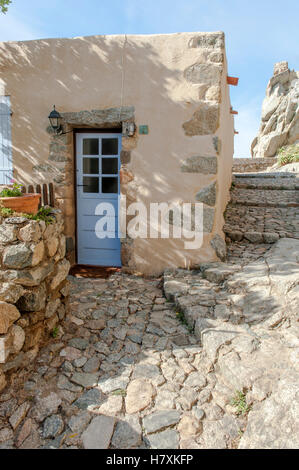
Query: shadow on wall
{"x":98,"y":72}
{"x":81,"y":75}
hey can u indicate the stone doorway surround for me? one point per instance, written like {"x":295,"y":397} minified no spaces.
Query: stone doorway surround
{"x":61,"y":164}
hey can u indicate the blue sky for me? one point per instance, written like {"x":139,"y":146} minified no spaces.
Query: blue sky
{"x":258,"y":34}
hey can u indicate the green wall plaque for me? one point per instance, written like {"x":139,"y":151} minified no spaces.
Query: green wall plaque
{"x":143,"y":130}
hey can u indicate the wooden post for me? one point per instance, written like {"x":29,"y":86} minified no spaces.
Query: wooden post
{"x":47,"y":192}
{"x":51,"y":195}
{"x":38,"y":189}
{"x":45,"y":195}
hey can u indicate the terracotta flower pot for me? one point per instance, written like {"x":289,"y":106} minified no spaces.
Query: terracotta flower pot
{"x":28,"y":203}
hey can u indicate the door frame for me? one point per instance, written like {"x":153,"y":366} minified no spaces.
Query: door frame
{"x":86,"y":130}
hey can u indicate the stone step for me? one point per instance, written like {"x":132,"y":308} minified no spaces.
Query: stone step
{"x":252,"y":165}
{"x":291,"y":184}
{"x":266,"y":175}
{"x":260,"y":197}
{"x":263,"y":208}
{"x":241,"y":219}
{"x":264,"y":204}
{"x":256,"y":237}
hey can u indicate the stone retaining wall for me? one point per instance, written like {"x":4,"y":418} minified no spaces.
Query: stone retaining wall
{"x":33,"y":287}
{"x":251,"y":165}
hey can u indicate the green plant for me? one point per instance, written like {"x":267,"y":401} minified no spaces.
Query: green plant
{"x":120,"y":392}
{"x":15,"y":191}
{"x":55,"y":332}
{"x":3,"y":5}
{"x":239,"y":402}
{"x":42,"y":214}
{"x":288,"y":154}
{"x":181,"y":317}
{"x":6,"y":212}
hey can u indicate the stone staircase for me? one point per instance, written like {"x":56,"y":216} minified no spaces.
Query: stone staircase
{"x":244,"y":312}
{"x":263,"y":208}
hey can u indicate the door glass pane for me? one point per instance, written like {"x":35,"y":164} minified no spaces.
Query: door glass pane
{"x":91,"y":184}
{"x":91,"y":166}
{"x":109,"y":146}
{"x":90,"y":146}
{"x":110,"y":166}
{"x":109,"y":185}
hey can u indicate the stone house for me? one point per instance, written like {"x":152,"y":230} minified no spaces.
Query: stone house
{"x":144,"y":117}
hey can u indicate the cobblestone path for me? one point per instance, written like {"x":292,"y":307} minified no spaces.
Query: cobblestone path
{"x":126,"y":371}
{"x":123,"y":373}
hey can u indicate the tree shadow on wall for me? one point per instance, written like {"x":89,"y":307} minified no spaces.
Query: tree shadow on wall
{"x":100,"y":72}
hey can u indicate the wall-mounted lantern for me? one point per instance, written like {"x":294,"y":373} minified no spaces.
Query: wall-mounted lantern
{"x":55,"y":120}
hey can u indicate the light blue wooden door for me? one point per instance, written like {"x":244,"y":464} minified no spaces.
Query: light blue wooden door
{"x":98,"y":188}
{"x":6,"y":172}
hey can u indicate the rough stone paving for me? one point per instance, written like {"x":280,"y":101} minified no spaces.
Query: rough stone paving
{"x":113,"y":378}
{"x":197,"y":359}
{"x":246,"y":318}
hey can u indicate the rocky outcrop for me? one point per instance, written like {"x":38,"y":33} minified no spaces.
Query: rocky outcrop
{"x":280,"y":113}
